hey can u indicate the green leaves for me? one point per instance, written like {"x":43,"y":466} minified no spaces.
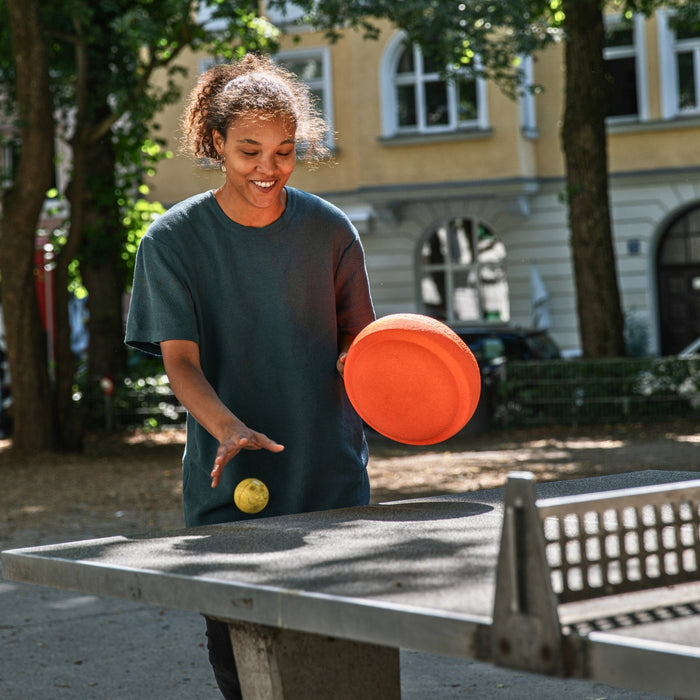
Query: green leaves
{"x":450,"y":34}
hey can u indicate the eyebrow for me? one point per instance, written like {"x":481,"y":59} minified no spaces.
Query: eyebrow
{"x":253,"y":142}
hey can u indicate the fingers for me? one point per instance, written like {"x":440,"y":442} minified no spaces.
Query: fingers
{"x":340,"y":364}
{"x":216,"y":475}
{"x":229,"y":449}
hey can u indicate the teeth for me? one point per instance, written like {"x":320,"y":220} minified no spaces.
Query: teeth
{"x":266,"y":185}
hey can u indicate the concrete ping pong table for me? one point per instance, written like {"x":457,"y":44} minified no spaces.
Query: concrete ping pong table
{"x":590,"y":578}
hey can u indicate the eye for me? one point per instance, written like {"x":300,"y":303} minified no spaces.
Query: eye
{"x":249,"y":153}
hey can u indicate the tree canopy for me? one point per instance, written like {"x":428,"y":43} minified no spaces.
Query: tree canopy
{"x":103,"y":56}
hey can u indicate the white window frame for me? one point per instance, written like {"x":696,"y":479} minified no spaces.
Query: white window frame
{"x":324,"y":84}
{"x":204,"y":17}
{"x":638,"y":51}
{"x":282,"y":17}
{"x":526,"y":99}
{"x":279,"y":17}
{"x":669,"y":46}
{"x":389,"y":98}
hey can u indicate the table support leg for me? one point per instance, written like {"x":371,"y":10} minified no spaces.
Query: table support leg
{"x":526,"y":632}
{"x":278,"y":664}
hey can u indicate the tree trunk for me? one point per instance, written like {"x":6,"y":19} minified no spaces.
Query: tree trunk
{"x":585,"y":147}
{"x":100,"y":264}
{"x":70,"y":426}
{"x":68,"y":413}
{"x":22,"y":205}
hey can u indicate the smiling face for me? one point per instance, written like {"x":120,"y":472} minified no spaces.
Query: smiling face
{"x":259,"y":154}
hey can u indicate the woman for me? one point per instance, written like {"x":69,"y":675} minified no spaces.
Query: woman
{"x":252,"y":293}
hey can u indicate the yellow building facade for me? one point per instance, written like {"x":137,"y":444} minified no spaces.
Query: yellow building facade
{"x":456,"y":190}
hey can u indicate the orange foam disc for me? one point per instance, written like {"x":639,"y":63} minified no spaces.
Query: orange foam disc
{"x":412,"y":379}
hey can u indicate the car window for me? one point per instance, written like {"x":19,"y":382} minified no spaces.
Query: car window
{"x":489,"y":345}
{"x":543,"y":347}
{"x":493,"y":348}
{"x":476,"y":345}
{"x":514,"y":348}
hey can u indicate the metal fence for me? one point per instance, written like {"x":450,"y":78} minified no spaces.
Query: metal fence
{"x":597,"y":391}
{"x":520,"y":394}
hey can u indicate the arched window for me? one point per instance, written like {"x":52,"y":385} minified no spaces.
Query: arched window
{"x":462,"y":272}
{"x":678,"y":269}
{"x":418,"y":100}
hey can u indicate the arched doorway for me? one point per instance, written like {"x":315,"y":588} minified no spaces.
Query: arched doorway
{"x":461,"y":272}
{"x":678,"y":270}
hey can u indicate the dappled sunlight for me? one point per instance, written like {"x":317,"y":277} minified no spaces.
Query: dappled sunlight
{"x":156,"y":437}
{"x":32,"y":510}
{"x":577,"y":444}
{"x":74,"y":602}
{"x":554,"y":453}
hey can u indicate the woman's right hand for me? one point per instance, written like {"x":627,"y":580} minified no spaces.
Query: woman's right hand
{"x":195,"y":393}
{"x":240,"y":438}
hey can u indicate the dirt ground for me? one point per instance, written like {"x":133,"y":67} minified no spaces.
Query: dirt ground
{"x":130,"y":482}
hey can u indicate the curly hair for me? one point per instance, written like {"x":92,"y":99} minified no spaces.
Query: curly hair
{"x":254,"y":84}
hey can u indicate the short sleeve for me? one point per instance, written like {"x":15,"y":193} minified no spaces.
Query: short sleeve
{"x":161,"y":306}
{"x":353,"y":300}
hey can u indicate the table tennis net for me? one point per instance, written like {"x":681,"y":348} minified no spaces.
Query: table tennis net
{"x":621,"y":542}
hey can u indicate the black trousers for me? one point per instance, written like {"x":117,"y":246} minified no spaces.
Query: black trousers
{"x":222,"y":660}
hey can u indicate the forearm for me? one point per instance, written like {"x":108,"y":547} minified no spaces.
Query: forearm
{"x":197,"y":395}
{"x":193,"y":390}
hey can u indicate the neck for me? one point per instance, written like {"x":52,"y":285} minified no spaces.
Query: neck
{"x":254,"y":218}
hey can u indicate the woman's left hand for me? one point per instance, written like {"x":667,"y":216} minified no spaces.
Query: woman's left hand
{"x":340,"y":364}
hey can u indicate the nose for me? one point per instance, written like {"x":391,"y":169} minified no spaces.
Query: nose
{"x":267,"y":163}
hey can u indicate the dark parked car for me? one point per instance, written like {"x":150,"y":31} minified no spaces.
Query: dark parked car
{"x":493,"y":346}
{"x":494,"y":341}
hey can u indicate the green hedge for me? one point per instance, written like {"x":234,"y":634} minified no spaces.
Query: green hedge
{"x":591,"y":391}
{"x":521,"y":394}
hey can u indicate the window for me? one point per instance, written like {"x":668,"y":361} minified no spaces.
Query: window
{"x":679,"y":59}
{"x":688,"y":68}
{"x":287,"y":15}
{"x":681,"y":243}
{"x":418,"y":100}
{"x":462,"y":273}
{"x":624,"y":64}
{"x":678,"y":280}
{"x":313,"y":67}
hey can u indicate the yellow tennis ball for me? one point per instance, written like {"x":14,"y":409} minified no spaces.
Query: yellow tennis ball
{"x":251,"y":495}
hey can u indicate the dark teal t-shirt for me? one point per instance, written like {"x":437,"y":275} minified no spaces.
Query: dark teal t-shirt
{"x":266,"y":307}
